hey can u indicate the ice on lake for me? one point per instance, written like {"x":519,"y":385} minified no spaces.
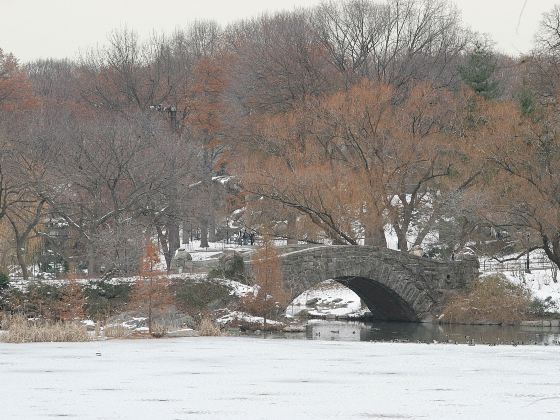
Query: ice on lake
{"x":252,"y":378}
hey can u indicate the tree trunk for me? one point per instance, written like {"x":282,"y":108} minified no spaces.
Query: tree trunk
{"x":375,"y":235}
{"x":186,"y":233}
{"x":204,"y":233}
{"x":552,"y":248}
{"x":91,"y":261}
{"x":20,"y":254}
{"x":212,"y":225}
{"x":291,"y":229}
{"x":402,"y":243}
{"x":162,"y":237}
{"x":173,"y":239}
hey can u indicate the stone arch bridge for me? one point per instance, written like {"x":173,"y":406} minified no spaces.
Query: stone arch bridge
{"x":394,"y":285}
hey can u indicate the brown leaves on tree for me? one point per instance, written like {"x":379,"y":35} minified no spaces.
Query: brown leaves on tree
{"x":270,"y":296}
{"x":72,"y":303}
{"x":151,"y":293}
{"x":16,"y":92}
{"x":362,"y":155}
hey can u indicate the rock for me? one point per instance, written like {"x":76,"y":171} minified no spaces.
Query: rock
{"x":181,"y":260}
{"x":294,"y":328}
{"x":183,"y":333}
{"x":312,"y":302}
{"x":231,"y":263}
{"x":417,"y":251}
{"x":337,"y":300}
{"x":170,"y":319}
{"x":486,"y":322}
{"x":537,"y":323}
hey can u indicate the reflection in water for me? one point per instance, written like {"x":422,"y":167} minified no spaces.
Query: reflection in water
{"x":429,"y":333}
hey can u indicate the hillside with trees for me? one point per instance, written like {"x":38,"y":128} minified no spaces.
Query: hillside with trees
{"x":335,"y":124}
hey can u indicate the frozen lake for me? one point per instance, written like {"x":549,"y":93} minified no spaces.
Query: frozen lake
{"x":252,"y":378}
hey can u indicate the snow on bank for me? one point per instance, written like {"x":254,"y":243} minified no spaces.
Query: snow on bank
{"x":246,"y":378}
{"x":327,"y":298}
{"x":237,"y":317}
{"x":540,"y":284}
{"x":541,"y":281}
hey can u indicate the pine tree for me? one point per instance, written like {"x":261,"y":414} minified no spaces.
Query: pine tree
{"x":479,"y":69}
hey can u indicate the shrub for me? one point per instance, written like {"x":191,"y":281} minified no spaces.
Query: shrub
{"x":270,"y":296}
{"x":191,"y":296}
{"x":117,"y":331}
{"x":4,"y":281}
{"x":42,"y":300}
{"x":4,"y":291}
{"x":72,"y":301}
{"x":208,"y":328}
{"x":493,"y":299}
{"x":104,"y":298}
{"x":20,"y":330}
{"x":231,"y":266}
{"x":542,"y":307}
{"x":159,"y":330}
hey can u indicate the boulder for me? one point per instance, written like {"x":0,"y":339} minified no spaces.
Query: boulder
{"x":181,"y":260}
{"x":417,"y":251}
{"x":232,"y":265}
{"x":294,"y":328}
{"x":312,"y":302}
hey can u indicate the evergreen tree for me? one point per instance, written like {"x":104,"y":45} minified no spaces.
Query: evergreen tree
{"x":527,"y":102}
{"x":479,"y":69}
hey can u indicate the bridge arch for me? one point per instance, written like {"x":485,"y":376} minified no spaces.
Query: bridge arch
{"x":394,"y":285}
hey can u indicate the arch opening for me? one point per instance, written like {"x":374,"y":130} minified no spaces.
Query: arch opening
{"x":384,"y":303}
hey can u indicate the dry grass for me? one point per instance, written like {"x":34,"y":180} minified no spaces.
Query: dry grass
{"x":490,"y":299}
{"x":208,"y":328}
{"x":159,"y":330}
{"x":117,"y":331}
{"x":20,"y":330}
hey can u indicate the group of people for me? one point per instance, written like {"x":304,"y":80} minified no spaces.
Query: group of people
{"x":246,"y":238}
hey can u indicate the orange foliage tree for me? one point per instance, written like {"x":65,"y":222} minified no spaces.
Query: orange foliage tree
{"x":151,"y":293}
{"x":270,"y":294}
{"x":522,"y":154}
{"x":72,"y":302}
{"x":16,"y":92}
{"x":357,"y":160}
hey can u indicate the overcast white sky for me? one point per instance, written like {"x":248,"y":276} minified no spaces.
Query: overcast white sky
{"x":61,"y":28}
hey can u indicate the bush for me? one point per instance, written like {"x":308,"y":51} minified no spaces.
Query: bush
{"x":20,"y":330}
{"x":104,"y":298}
{"x":117,"y":331}
{"x":231,"y":266}
{"x":159,"y":330}
{"x":208,"y":328}
{"x":41,"y":300}
{"x":492,"y":299}
{"x":4,"y":281}
{"x":193,"y":296}
{"x":4,"y":288}
{"x":543,"y":307}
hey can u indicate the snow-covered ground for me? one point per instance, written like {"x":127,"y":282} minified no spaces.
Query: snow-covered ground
{"x":541,"y":281}
{"x":327,"y":298}
{"x":246,"y":378}
{"x":232,"y":317}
